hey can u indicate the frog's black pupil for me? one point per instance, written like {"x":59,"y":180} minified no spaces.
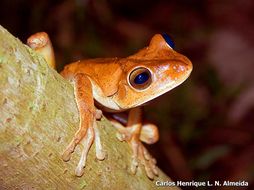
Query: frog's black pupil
{"x":141,"y":78}
{"x":169,"y":41}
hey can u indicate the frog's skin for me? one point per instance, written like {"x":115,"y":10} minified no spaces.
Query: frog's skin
{"x":117,"y":85}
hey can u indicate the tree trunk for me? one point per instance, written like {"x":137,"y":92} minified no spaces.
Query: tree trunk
{"x":38,"y":118}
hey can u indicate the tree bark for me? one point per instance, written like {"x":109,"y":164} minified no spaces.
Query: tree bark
{"x":38,"y":118}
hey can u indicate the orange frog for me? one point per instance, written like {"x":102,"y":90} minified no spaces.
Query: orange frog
{"x":117,"y":85}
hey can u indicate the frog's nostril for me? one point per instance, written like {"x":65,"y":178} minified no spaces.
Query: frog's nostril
{"x":187,"y":63}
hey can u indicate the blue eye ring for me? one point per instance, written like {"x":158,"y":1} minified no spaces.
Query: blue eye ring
{"x":169,"y":40}
{"x":140,"y":78}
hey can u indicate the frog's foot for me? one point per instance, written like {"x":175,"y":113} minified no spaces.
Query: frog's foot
{"x":140,"y":154}
{"x":149,"y":134}
{"x":85,"y":137}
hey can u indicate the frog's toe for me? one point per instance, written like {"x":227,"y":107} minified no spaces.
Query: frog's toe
{"x":151,"y":161}
{"x":66,"y":156}
{"x":100,"y":153}
{"x":147,"y":161}
{"x":86,"y":143}
{"x":134,"y":165}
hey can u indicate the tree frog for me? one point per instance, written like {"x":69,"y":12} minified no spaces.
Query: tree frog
{"x":118,"y":85}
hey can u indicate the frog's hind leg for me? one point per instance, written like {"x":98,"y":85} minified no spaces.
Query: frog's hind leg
{"x":41,"y":43}
{"x":134,"y":133}
{"x":149,"y":132}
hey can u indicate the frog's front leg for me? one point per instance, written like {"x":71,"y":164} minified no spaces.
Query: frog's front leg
{"x":133,"y":133}
{"x":88,"y":131}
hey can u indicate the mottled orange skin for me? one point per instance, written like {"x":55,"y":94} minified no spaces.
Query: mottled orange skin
{"x":168,"y":67}
{"x":106,"y":82}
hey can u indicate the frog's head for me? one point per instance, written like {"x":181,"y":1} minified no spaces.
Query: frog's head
{"x":151,"y":72}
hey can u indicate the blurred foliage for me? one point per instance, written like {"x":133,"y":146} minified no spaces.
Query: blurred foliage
{"x":198,"y":138}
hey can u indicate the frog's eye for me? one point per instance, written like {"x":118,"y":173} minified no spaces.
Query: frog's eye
{"x":140,"y":78}
{"x":169,"y":40}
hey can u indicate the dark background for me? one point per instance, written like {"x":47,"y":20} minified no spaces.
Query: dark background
{"x":206,"y":124}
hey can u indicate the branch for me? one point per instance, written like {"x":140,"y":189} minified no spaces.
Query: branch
{"x":38,"y":118}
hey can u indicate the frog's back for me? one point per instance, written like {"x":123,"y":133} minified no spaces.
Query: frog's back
{"x":90,"y":67}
